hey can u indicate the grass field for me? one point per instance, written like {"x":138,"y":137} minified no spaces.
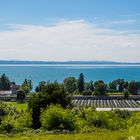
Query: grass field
{"x":18,"y":106}
{"x":92,"y":136}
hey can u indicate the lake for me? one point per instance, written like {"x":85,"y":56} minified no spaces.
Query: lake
{"x":58,"y":72}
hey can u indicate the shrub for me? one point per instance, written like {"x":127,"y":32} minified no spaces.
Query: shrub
{"x":97,"y":119}
{"x":20,"y":95}
{"x":5,"y":110}
{"x":87,"y":92}
{"x":58,"y":118}
{"x":15,"y":123}
{"x":12,"y":120}
{"x":126,"y":94}
{"x":7,"y":124}
{"x":23,"y":121}
{"x":124,"y":114}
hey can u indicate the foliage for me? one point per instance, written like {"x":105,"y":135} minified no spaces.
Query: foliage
{"x":126,"y":94}
{"x":58,"y":118}
{"x":20,"y":95}
{"x":87,"y":92}
{"x":17,"y":122}
{"x":13,"y":121}
{"x":134,"y":132}
{"x":81,"y":83}
{"x":100,"y":87}
{"x":134,"y":87}
{"x":27,"y":86}
{"x":89,"y":86}
{"x":41,"y":87}
{"x":118,"y":85}
{"x":5,"y":110}
{"x":4,"y":82}
{"x":53,"y":93}
{"x":70,"y":84}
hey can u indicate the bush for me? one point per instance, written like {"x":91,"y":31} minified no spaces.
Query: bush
{"x":22,"y":122}
{"x":126,"y":94}
{"x":5,"y":110}
{"x":124,"y":114}
{"x":20,"y":95}
{"x":87,"y":92}
{"x":12,"y":120}
{"x":15,"y":123}
{"x":58,"y":118}
{"x":7,"y":124}
{"x":97,"y":119}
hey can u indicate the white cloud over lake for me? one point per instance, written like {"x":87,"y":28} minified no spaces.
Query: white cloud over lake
{"x":69,"y":40}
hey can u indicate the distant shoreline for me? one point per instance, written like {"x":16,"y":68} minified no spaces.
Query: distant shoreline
{"x":17,"y":62}
{"x":71,"y":65}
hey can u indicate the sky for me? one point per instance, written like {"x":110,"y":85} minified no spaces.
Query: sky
{"x":64,"y":30}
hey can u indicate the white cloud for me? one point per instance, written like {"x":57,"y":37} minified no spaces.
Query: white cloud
{"x":68,"y":40}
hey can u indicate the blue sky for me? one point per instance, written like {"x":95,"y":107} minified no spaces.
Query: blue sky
{"x":41,"y":11}
{"x":96,"y":29}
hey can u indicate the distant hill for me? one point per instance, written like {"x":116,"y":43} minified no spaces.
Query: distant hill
{"x":61,"y":62}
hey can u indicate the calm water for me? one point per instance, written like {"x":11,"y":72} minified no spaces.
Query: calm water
{"x":58,"y":72}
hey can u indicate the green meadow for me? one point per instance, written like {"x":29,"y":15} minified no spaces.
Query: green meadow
{"x":91,"y":136}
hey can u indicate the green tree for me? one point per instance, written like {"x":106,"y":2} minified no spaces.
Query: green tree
{"x":27,"y":86}
{"x":54,"y":94}
{"x":118,"y":85}
{"x":70,"y":84}
{"x":134,"y":87}
{"x":20,"y":95}
{"x":89,"y":86}
{"x":41,"y":87}
{"x":81,"y":83}
{"x":113,"y":85}
{"x":4,"y":83}
{"x":100,"y":87}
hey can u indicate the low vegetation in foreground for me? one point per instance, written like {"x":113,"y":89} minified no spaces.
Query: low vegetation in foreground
{"x":74,"y":123}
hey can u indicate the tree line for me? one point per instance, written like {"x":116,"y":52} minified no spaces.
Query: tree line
{"x":78,"y":86}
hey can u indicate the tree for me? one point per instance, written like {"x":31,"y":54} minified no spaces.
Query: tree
{"x":113,"y":85}
{"x":89,"y":86}
{"x":54,"y":94}
{"x":100,"y":87}
{"x":70,"y":84}
{"x":134,"y":87}
{"x":4,"y":83}
{"x":20,"y":95}
{"x":122,"y":84}
{"x":118,"y":85}
{"x":41,"y":87}
{"x":81,"y":83}
{"x":27,"y":86}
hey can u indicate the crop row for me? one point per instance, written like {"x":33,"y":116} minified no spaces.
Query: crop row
{"x":106,"y":103}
